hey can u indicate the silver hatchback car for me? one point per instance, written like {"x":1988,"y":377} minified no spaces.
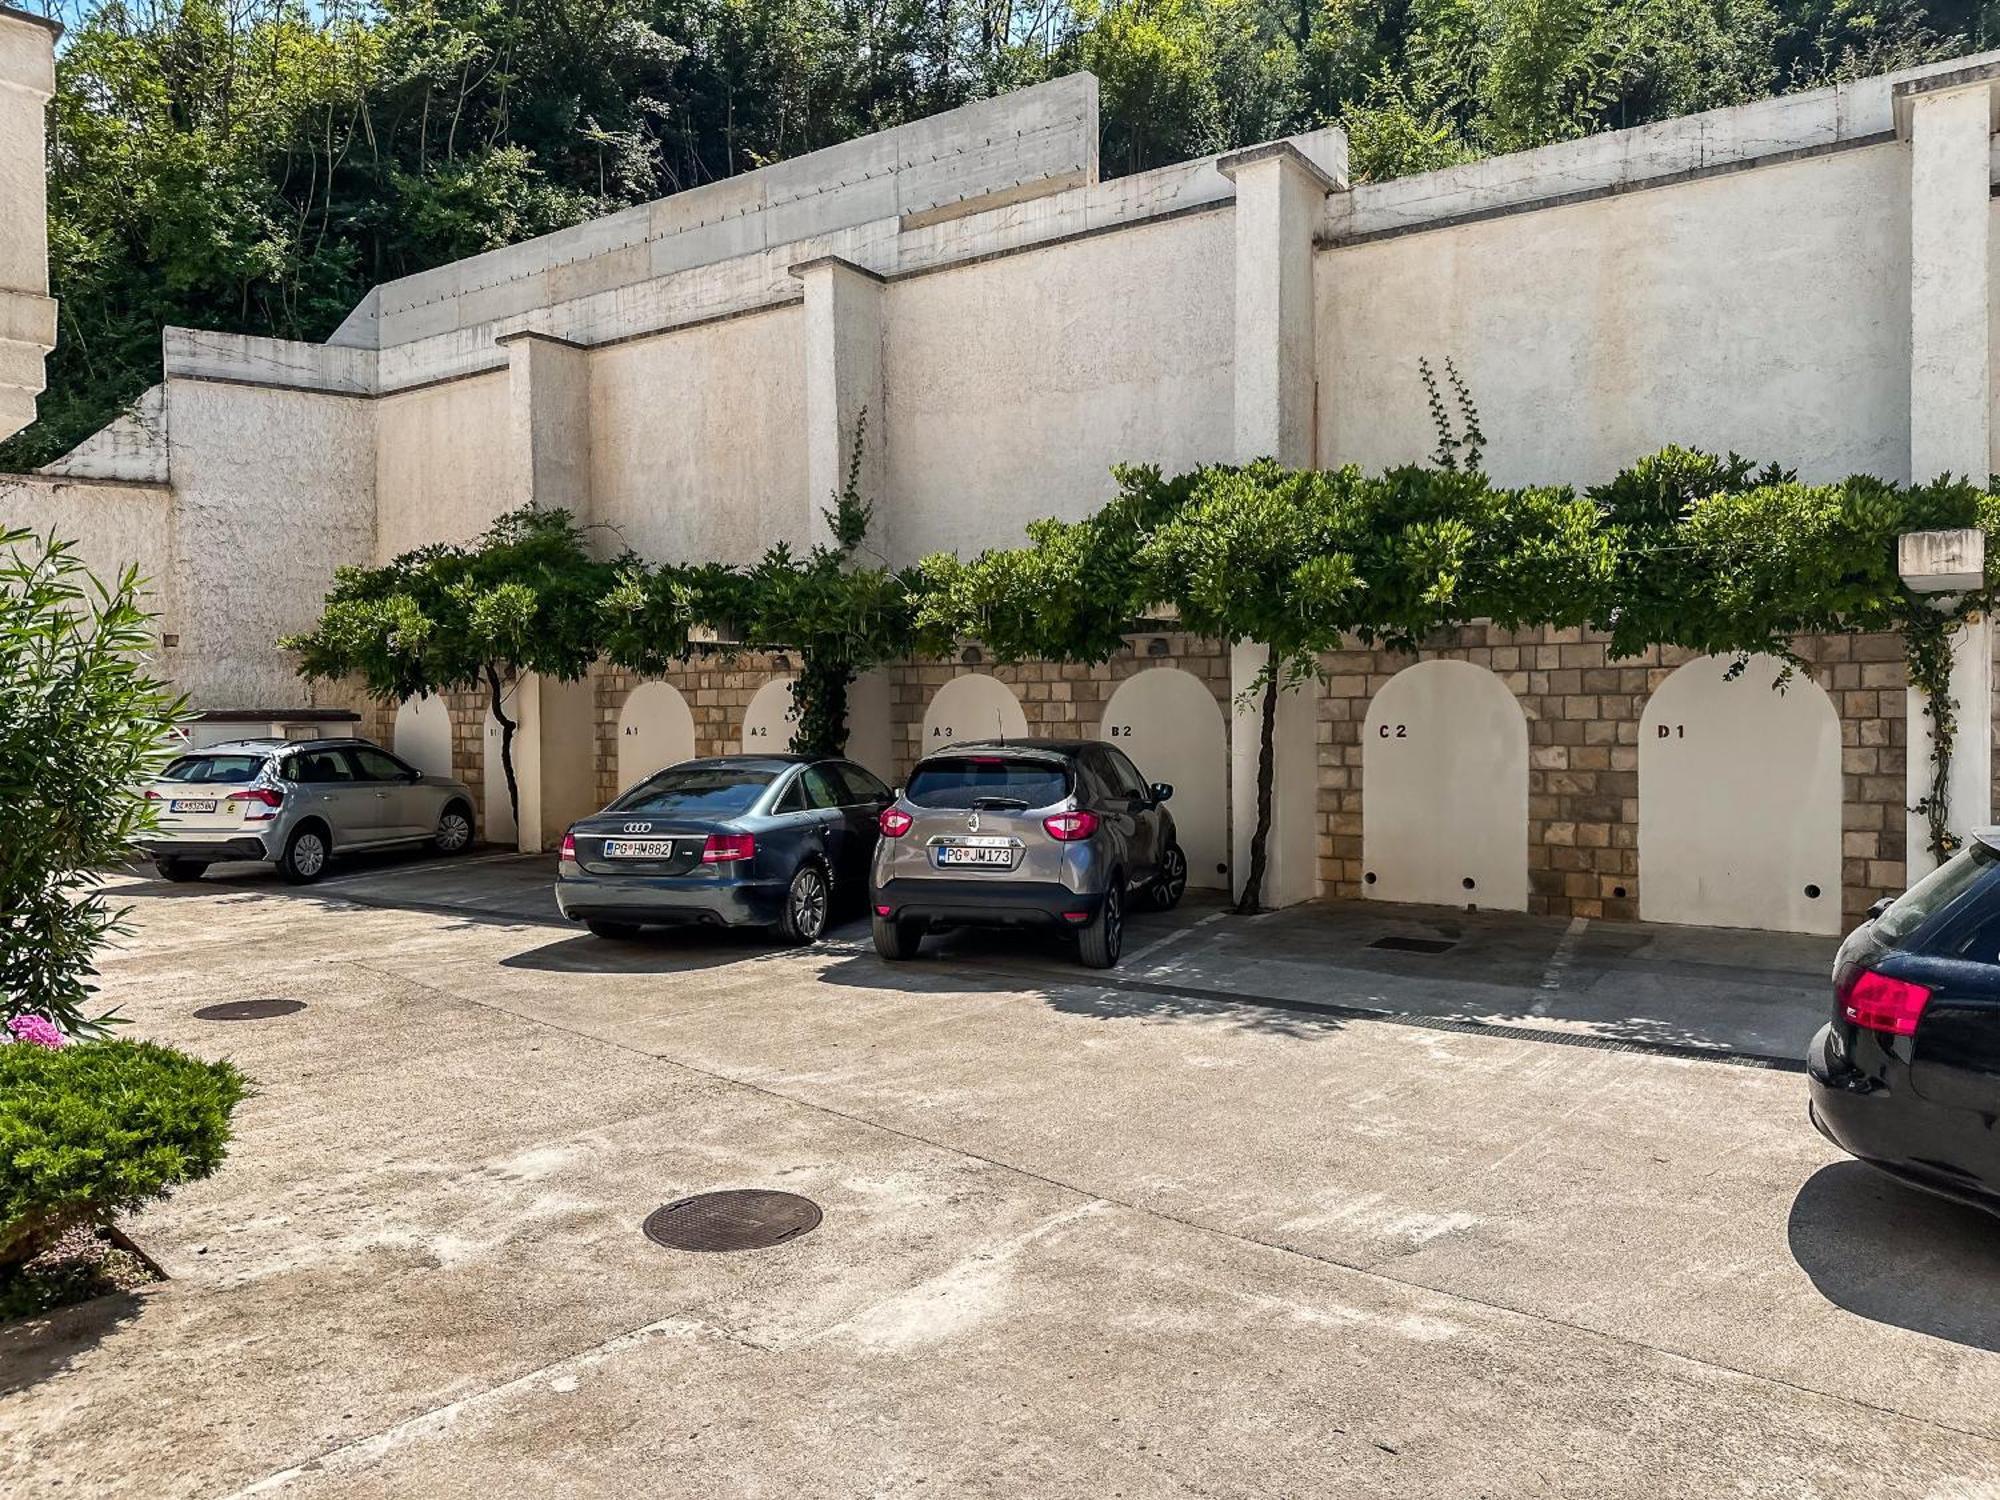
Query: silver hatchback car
{"x":1061,"y":834}
{"x":296,"y":803}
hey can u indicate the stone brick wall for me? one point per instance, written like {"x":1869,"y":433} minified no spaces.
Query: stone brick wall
{"x":718,"y":689}
{"x":1058,"y":700}
{"x":1583,"y":711}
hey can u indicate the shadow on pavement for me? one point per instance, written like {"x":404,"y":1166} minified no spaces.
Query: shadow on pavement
{"x":1893,"y":1254}
{"x":40,"y":1348}
{"x":659,"y":950}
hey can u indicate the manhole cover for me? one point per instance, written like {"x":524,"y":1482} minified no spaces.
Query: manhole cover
{"x":1414,"y":945}
{"x":739,"y":1219}
{"x":249,"y":1010}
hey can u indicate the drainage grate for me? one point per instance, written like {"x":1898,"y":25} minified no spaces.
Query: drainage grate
{"x":1414,"y":945}
{"x":737,"y":1219}
{"x":249,"y":1010}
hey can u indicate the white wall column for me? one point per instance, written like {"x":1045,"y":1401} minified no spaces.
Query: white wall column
{"x":1946,"y":563}
{"x":27,"y":315}
{"x":1280,"y":197}
{"x":843,"y":334}
{"x":548,"y":426}
{"x":1948,"y":120}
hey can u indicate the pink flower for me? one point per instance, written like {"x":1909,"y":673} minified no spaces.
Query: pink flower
{"x":35,"y":1030}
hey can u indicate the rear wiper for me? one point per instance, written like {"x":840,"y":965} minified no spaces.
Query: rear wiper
{"x":995,"y":803}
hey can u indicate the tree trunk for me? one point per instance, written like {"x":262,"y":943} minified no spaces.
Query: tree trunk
{"x":495,"y":694}
{"x":819,"y":697}
{"x":1267,"y":752}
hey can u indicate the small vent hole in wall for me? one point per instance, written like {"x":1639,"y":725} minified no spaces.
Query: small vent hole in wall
{"x":1812,"y":893}
{"x":1469,"y":883}
{"x":1618,"y":891}
{"x":1369,"y":878}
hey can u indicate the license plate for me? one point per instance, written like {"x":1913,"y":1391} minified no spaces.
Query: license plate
{"x":638,"y":848}
{"x":191,"y":804}
{"x":958,"y":854}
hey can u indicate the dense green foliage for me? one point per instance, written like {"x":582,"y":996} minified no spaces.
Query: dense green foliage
{"x":100,"y":1128}
{"x":255,"y":167}
{"x":81,"y":725}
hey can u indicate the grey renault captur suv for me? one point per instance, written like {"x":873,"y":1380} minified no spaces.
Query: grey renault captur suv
{"x":296,"y":803}
{"x":1051,"y":833}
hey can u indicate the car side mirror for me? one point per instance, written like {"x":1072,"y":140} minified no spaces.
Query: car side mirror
{"x":1162,"y":791}
{"x":1880,"y":906}
{"x":413,"y":777}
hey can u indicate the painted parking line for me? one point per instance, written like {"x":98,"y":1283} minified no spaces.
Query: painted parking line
{"x":1558,"y":965}
{"x":453,"y":862}
{"x":1174,"y":937}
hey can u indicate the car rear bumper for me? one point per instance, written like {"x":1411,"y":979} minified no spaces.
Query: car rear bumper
{"x":584,"y":897}
{"x":984,"y":903}
{"x":1909,"y":1138}
{"x":242,"y":846}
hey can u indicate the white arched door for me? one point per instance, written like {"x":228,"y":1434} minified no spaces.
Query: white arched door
{"x":423,"y":734}
{"x":871,"y":740}
{"x":973,"y":707}
{"x":655,"y":729}
{"x":772,"y":719}
{"x":1739,"y":800}
{"x":1444,"y":790}
{"x":1170,"y":724}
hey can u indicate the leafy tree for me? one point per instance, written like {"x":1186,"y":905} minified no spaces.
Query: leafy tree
{"x":525,"y":597}
{"x":82,"y":724}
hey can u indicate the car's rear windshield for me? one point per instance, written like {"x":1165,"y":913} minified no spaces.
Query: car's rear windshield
{"x":214,"y":769}
{"x":967,"y":781}
{"x":697,"y":792}
{"x":1934,"y":893}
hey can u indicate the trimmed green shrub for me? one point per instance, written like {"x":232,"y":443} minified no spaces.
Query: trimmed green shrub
{"x":95,"y":1129}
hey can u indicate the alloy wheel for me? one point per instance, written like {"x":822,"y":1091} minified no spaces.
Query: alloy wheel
{"x":808,"y":904}
{"x":1173,"y":880}
{"x":1114,"y":925}
{"x":454,"y":832}
{"x":309,"y":855}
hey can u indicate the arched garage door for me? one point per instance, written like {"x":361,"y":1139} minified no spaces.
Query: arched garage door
{"x":423,"y":734}
{"x":974,"y":707}
{"x":1170,"y":724}
{"x":1739,"y":800}
{"x":771,"y":719}
{"x":655,"y":729}
{"x":1444,"y":789}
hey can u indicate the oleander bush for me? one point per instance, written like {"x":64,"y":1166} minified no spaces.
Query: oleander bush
{"x":98,"y":1128}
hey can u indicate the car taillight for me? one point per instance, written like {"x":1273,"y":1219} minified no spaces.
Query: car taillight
{"x":895,"y":822}
{"x":151,"y":795}
{"x":722,"y":848}
{"x":1883,"y":1004}
{"x":569,"y":847}
{"x":268,"y":796}
{"x":1065,"y":827}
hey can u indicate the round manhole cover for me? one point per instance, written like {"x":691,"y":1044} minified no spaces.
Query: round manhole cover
{"x":738,"y":1219}
{"x":249,"y":1010}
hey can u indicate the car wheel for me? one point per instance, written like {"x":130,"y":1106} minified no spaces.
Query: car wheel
{"x":897,"y":941}
{"x":614,"y":931}
{"x":1100,"y":943}
{"x":454,"y":830}
{"x":180,"y":869}
{"x":1171,"y":883}
{"x":304,"y":859}
{"x":804,"y":917}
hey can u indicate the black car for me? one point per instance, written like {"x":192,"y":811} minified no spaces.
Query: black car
{"x":1906,"y":1077}
{"x":736,"y":841}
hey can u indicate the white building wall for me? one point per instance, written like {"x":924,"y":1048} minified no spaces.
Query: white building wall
{"x":113,"y":526}
{"x":1013,"y":385}
{"x":1763,"y":311}
{"x":441,"y":463}
{"x":698,"y":439}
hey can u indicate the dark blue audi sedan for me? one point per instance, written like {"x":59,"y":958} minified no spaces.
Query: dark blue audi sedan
{"x":735,"y":841}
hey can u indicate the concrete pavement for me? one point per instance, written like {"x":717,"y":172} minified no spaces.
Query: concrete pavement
{"x":1079,"y":1239}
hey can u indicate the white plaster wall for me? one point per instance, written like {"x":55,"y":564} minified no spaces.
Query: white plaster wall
{"x":1739,"y":800}
{"x":1444,"y":787}
{"x":1764,"y":311}
{"x":114,"y":526}
{"x":27,"y":316}
{"x":1013,"y":385}
{"x":1169,"y":723}
{"x":273,"y":490}
{"x":871,"y":738}
{"x":698,"y":439}
{"x":973,"y":707}
{"x":423,"y":734}
{"x":442,"y":463}
{"x":655,"y":730}
{"x":771,"y":720}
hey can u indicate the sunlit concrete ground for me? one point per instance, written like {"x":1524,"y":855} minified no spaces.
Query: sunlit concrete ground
{"x":1552,"y":1222}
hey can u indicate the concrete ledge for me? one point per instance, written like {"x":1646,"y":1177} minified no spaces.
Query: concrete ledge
{"x":332,"y":369}
{"x":835,"y":262}
{"x":1905,"y":93}
{"x":1234,"y":162}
